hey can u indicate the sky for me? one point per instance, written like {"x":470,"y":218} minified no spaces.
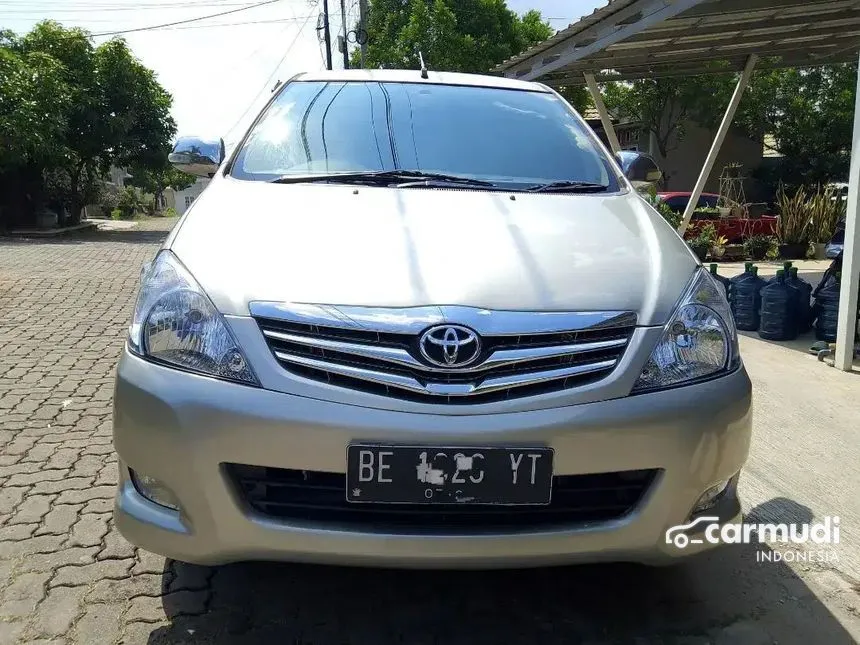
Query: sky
{"x":220,"y":71}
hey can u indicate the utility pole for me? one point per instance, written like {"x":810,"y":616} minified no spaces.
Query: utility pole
{"x":345,"y":32}
{"x":327,"y":35}
{"x":362,"y":29}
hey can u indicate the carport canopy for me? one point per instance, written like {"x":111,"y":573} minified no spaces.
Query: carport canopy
{"x":636,"y":39}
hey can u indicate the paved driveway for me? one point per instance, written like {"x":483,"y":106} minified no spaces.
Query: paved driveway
{"x":66,"y":576}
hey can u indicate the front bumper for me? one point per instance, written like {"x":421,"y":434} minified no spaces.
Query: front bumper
{"x":180,"y":428}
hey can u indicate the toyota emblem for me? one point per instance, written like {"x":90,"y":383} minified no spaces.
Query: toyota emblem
{"x":450,"y":346}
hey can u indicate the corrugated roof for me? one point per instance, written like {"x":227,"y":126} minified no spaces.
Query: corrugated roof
{"x":629,"y":39}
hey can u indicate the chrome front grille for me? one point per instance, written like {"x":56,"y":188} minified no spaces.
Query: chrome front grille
{"x":377,"y":351}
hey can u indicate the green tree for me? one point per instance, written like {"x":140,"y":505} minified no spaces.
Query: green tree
{"x":664,"y":105}
{"x":810,"y":113}
{"x":452,"y":35}
{"x":70,"y":110}
{"x":154,"y":178}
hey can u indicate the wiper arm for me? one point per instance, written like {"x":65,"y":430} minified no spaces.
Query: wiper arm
{"x":568,"y":187}
{"x":410,"y":177}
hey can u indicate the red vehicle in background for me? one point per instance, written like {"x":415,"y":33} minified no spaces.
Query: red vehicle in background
{"x":734,"y":229}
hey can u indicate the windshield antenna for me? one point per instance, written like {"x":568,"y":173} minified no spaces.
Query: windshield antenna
{"x":423,"y":66}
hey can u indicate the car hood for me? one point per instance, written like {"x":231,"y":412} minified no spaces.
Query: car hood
{"x":374,"y":246}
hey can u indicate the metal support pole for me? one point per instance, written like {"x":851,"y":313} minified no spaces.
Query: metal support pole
{"x":743,"y":81}
{"x":362,"y":29}
{"x":345,"y":32}
{"x":327,"y":35}
{"x":605,"y":119}
{"x":847,"y":325}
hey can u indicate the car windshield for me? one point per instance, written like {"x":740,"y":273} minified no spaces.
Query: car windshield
{"x":512,"y":138}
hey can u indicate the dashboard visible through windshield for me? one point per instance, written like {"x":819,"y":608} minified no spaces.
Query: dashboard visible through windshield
{"x":510,"y":139}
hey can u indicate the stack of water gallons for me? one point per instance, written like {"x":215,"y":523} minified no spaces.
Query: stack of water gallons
{"x":780,"y":308}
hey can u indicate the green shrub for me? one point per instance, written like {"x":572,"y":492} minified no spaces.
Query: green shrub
{"x":170,"y":212}
{"x":116,"y":214}
{"x":795,"y":216}
{"x":662,"y":207}
{"x":758,"y":246}
{"x":130,"y":202}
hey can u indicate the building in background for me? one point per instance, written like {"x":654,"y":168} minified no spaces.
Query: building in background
{"x":181,"y":200}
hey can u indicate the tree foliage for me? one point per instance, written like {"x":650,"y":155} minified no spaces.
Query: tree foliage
{"x":663,"y":106}
{"x":452,"y":35}
{"x":69,"y":111}
{"x":809,"y":113}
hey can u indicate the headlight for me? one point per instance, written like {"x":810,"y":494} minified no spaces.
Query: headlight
{"x":700,"y":340}
{"x":176,"y":323}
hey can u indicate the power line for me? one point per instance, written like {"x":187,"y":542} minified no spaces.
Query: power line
{"x":182,"y":22}
{"x":274,"y":21}
{"x":272,"y":75}
{"x":113,"y":8}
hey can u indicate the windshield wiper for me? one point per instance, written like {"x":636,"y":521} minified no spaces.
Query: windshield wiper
{"x":406,"y":178}
{"x":568,"y":187}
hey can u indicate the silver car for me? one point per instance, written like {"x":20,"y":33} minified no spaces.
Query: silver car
{"x":425,"y":322}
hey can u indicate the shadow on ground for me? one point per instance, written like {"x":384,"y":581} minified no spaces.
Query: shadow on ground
{"x":132,"y":236}
{"x":725,"y":597}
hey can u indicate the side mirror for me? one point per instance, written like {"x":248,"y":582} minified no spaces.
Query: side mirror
{"x":199,"y":157}
{"x":639,"y":168}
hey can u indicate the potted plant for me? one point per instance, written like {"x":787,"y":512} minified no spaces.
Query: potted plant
{"x":793,"y":224}
{"x":757,"y":246}
{"x":718,"y":248}
{"x":702,"y":240}
{"x":826,"y":212}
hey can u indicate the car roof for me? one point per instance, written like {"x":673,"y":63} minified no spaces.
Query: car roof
{"x":414,"y":76}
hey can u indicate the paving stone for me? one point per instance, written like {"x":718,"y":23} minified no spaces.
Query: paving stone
{"x":100,"y":623}
{"x":116,"y":546}
{"x":65,"y":458}
{"x":69,"y":483}
{"x":38,"y":544}
{"x":11,"y":631}
{"x":89,"y":530}
{"x":10,"y":497}
{"x":56,"y":613}
{"x":19,"y":599}
{"x":79,"y":496}
{"x":32,"y":509}
{"x":190,"y":577}
{"x":148,"y":563}
{"x":140,"y":633}
{"x":146,"y":584}
{"x":145,"y":608}
{"x":26,"y":479}
{"x":60,"y":519}
{"x":87,"y":466}
{"x":53,"y":560}
{"x":17,"y":531}
{"x":99,"y":506}
{"x":87,"y":573}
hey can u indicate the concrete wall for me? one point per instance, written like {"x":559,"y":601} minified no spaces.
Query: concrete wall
{"x":682,"y":165}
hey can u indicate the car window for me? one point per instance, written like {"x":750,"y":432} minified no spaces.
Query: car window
{"x":707,"y":201}
{"x":509,"y":137}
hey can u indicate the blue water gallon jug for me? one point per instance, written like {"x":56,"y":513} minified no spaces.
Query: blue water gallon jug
{"x":779,"y":310}
{"x":827,"y":310}
{"x":804,"y":297}
{"x":722,"y":280}
{"x":746,"y":299}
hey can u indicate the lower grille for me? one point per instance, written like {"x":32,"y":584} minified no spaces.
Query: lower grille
{"x":319,"y":497}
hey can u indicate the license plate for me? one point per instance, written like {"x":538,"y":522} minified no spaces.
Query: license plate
{"x":446,"y":475}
